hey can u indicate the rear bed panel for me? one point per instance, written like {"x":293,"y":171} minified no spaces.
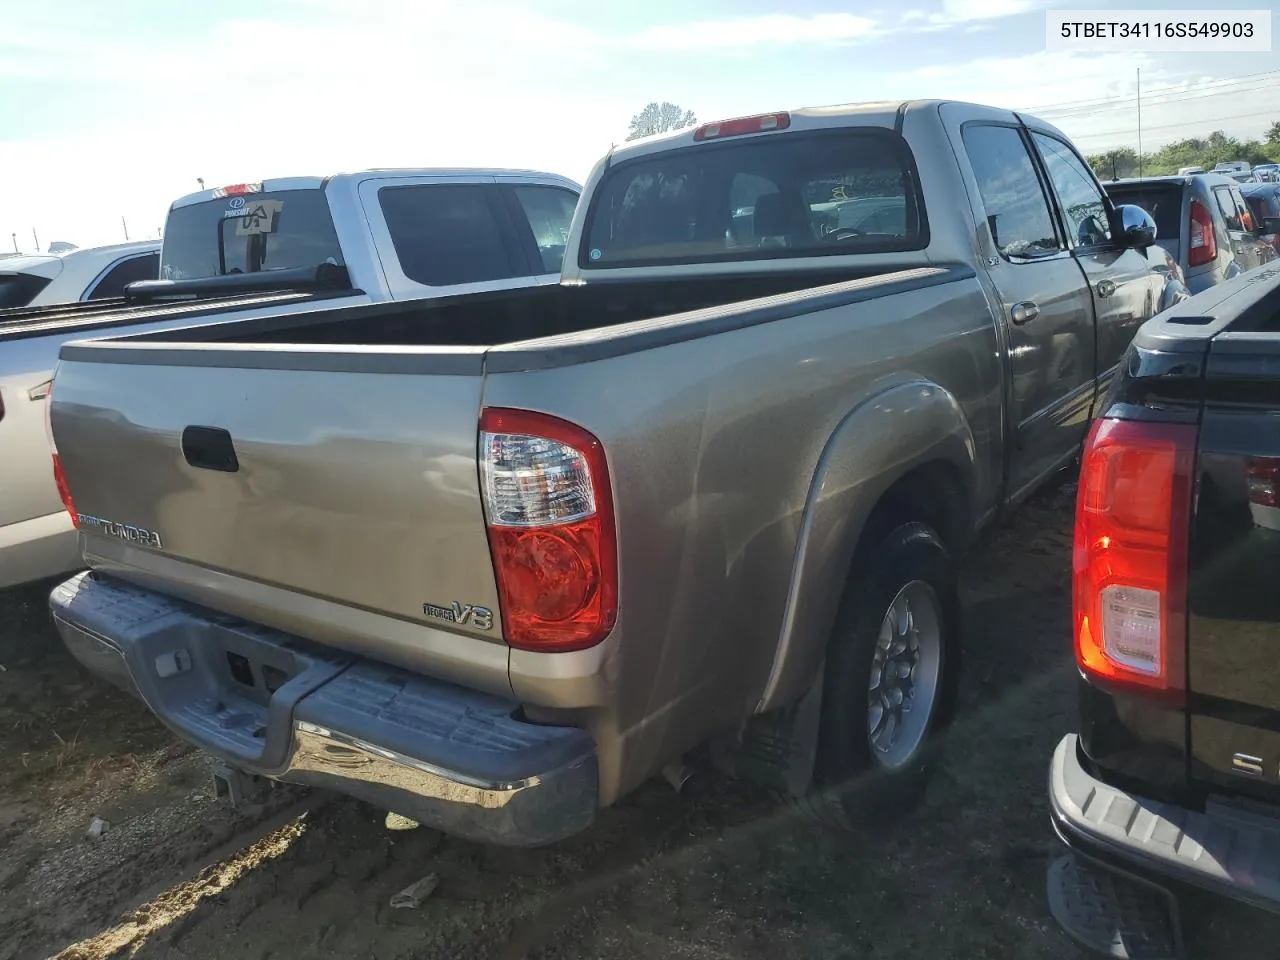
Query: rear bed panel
{"x":358,"y":488}
{"x":1234,"y":625}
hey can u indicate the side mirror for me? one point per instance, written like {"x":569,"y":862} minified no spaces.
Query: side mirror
{"x":1270,"y":226}
{"x":1137,"y":228}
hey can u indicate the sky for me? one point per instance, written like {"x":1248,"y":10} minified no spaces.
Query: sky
{"x":111,"y":110}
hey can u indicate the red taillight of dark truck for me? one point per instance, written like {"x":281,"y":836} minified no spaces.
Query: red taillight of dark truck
{"x":1129,"y":563}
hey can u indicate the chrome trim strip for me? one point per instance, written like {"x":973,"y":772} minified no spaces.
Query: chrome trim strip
{"x":314,"y":752}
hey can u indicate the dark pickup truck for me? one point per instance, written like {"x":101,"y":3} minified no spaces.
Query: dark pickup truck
{"x":1174,"y":774}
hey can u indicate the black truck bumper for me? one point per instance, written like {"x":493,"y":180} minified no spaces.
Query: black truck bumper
{"x":273,"y":705}
{"x":1222,"y":850}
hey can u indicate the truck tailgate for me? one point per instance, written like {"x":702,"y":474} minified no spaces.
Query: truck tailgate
{"x":1234,"y":607}
{"x":329,"y":504}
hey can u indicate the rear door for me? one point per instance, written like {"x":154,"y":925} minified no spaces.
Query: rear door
{"x":462,"y":234}
{"x":1044,"y":301}
{"x":1242,"y":241}
{"x":1124,"y":288}
{"x":1233,"y":604}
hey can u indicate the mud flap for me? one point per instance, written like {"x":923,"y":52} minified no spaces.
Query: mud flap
{"x":777,"y":749}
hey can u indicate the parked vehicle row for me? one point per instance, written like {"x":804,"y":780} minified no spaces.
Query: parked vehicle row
{"x":491,"y":559}
{"x":1202,"y":222}
{"x":281,"y":247}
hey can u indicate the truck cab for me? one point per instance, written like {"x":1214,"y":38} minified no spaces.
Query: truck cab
{"x":400,"y":234}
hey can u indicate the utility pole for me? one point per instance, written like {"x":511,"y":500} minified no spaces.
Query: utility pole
{"x":126,"y":228}
{"x":1139,"y":121}
{"x":36,"y":238}
{"x":14,"y":236}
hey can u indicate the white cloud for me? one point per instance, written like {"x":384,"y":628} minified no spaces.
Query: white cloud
{"x":769,"y":30}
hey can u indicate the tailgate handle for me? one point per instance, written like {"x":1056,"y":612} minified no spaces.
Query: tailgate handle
{"x":209,"y":448}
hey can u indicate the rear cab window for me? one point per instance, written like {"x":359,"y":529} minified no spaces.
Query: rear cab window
{"x":275,"y":230}
{"x":816,"y":194}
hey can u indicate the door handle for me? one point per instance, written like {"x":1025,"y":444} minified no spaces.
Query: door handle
{"x":1024,"y":312}
{"x":1106,"y":288}
{"x":209,"y":448}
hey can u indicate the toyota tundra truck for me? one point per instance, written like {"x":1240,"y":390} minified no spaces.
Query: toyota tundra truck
{"x":1172,"y":779}
{"x":490,"y":561}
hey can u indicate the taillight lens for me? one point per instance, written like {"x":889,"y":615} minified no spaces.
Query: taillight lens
{"x":1203,"y":247}
{"x":549,"y":510}
{"x":59,"y":478}
{"x":1133,"y":518}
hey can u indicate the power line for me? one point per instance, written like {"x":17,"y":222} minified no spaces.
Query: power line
{"x":1159,"y":98}
{"x":1176,"y":126}
{"x":1223,"y":81}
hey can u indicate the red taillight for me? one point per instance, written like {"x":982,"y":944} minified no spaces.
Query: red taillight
{"x":742,"y":125}
{"x":549,"y":511}
{"x":59,"y":478}
{"x":1203,"y":247}
{"x":1133,"y":518}
{"x":1262,"y":477}
{"x":236,"y":190}
{"x":64,"y":491}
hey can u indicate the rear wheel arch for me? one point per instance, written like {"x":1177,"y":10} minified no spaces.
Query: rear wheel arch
{"x":906,"y":454}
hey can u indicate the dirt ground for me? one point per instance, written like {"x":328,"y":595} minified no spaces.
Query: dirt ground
{"x":722,"y":873}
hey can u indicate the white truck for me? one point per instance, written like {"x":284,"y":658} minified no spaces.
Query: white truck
{"x":276,"y":246}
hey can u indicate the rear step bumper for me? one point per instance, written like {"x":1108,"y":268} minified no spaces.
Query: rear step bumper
{"x":274,"y":705}
{"x":1228,"y":852}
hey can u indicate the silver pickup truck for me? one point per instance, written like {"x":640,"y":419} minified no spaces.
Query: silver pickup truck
{"x":490,"y":561}
{"x":276,"y":246}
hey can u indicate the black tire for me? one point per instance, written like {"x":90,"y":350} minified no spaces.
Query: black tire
{"x":850,"y":788}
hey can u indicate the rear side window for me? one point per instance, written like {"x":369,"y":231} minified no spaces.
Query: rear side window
{"x":780,"y":195}
{"x":1016,"y":207}
{"x":124,"y":273}
{"x":278,"y":230}
{"x":1227,"y":207}
{"x":1082,"y":201}
{"x":1264,"y":205}
{"x":549,"y":211}
{"x":1164,"y":203}
{"x":450,"y":233}
{"x":19,"y":289}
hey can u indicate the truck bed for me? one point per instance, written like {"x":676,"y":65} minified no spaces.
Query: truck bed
{"x":541,"y":317}
{"x":26,"y":322}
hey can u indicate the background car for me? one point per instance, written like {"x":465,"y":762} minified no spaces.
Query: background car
{"x":89,"y":273}
{"x":1267,"y":172}
{"x":1264,"y":203}
{"x":1203,"y":222}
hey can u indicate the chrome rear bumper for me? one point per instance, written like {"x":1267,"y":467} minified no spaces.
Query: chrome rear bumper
{"x":276,"y":706}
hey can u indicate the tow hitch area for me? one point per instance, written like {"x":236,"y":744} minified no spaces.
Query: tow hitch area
{"x":236,"y":788}
{"x":1116,"y":914}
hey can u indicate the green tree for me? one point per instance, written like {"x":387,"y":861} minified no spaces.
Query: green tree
{"x":1115,"y":164}
{"x":1273,"y":133}
{"x":659,"y":118}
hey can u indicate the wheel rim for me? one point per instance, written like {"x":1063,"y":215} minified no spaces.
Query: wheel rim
{"x":904,"y":675}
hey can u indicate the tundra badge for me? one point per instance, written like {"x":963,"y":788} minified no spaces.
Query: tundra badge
{"x":461,"y":614}
{"x":121,"y":531}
